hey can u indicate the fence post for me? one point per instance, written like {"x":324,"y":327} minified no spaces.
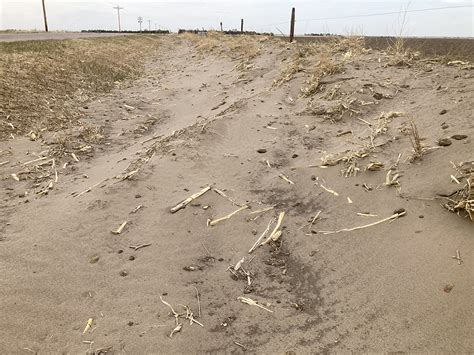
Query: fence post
{"x":292,"y":25}
{"x":242,"y":26}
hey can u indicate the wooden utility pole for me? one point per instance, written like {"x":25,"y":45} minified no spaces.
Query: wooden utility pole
{"x":118,"y":8}
{"x":140,"y":20}
{"x":44,"y":16}
{"x":292,"y":25}
{"x":221,"y":27}
{"x":242,"y":26}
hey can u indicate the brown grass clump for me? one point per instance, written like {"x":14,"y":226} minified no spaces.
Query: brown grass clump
{"x":91,"y":134}
{"x":238,"y":47}
{"x":336,"y":112}
{"x":320,"y":60}
{"x":399,"y":55}
{"x":352,"y":45}
{"x":316,"y":59}
{"x":294,"y":66}
{"x":42,"y":83}
{"x":326,"y":65}
{"x":415,"y":139}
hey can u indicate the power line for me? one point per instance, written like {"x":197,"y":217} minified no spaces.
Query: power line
{"x":390,"y":13}
{"x":377,"y":14}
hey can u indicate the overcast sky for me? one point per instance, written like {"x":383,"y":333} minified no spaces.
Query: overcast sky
{"x":260,"y":15}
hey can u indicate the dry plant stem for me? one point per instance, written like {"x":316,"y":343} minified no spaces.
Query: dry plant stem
{"x":314,"y":219}
{"x":455,"y":179}
{"x":458,"y":257}
{"x":176,"y":329}
{"x":88,"y":325}
{"x":170,"y":306}
{"x":241,"y":345}
{"x":150,"y":139}
{"x":286,"y":179}
{"x":239,"y":264}
{"x":191,"y":198}
{"x":310,"y":224}
{"x":189,"y":315}
{"x":135,"y":210}
{"x":34,"y":161}
{"x":276,"y":229}
{"x":259,"y":240}
{"x":329,"y":190}
{"x":391,"y":181}
{"x":215,"y":221}
{"x":393,"y":217}
{"x":198,"y":301}
{"x":366,"y":214}
{"x":415,"y":140}
{"x":276,"y":236}
{"x":129,"y":175}
{"x":90,"y":188}
{"x":221,"y":193}
{"x":262,"y":210}
{"x":251,"y":302}
{"x":120,"y":229}
{"x":4,"y":162}
{"x":138,"y":247}
{"x":178,"y":326}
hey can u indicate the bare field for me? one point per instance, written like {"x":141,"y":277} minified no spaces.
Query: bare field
{"x":216,"y":194}
{"x":457,"y":48}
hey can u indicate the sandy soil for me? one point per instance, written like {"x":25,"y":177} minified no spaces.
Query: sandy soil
{"x":382,"y":288}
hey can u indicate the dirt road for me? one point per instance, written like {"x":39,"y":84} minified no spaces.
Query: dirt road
{"x":197,"y":120}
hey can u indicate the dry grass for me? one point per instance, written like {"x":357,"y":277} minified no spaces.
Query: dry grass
{"x":341,"y":109}
{"x":91,"y":134}
{"x":382,"y":123}
{"x":241,"y":48}
{"x":42,"y":83}
{"x":350,"y":158}
{"x":294,"y":66}
{"x":319,"y":61}
{"x":326,"y":65}
{"x":415,"y":139}
{"x":463,"y":200}
{"x":237,"y":47}
{"x":350,"y":46}
{"x":400,"y":55}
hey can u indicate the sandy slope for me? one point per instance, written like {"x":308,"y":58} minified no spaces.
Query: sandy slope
{"x":375,"y":289}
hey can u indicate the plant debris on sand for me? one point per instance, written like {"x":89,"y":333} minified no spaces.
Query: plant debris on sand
{"x":215,"y":194}
{"x":462,"y":200}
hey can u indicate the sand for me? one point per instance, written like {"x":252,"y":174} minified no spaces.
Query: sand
{"x":375,"y":289}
